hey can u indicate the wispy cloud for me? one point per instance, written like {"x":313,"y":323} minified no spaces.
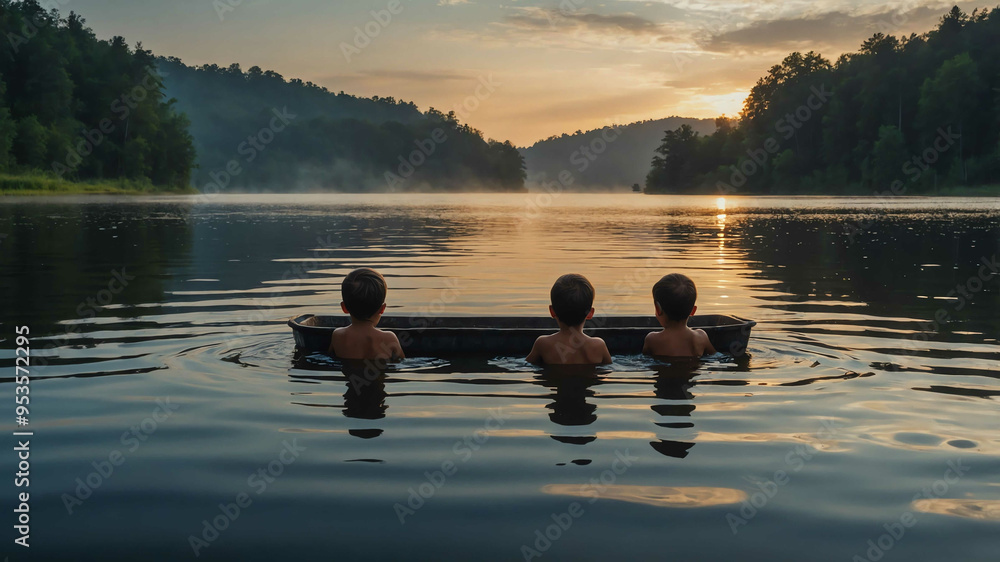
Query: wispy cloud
{"x":556,"y":20}
{"x":838,"y":30}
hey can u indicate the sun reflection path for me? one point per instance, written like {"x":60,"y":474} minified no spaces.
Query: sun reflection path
{"x":720,"y":204}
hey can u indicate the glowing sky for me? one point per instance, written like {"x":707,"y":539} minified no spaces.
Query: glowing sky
{"x":557,"y":65}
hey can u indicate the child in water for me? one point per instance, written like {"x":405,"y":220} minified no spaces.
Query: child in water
{"x":572,"y":305}
{"x":363,"y":291}
{"x":674,"y":296}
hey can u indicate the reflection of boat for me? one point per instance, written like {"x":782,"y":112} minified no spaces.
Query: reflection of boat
{"x":442,"y":336}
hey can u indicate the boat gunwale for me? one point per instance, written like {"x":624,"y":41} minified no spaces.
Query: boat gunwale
{"x":424,"y":323}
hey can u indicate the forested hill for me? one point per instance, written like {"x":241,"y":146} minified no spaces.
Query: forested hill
{"x":599,"y":164}
{"x":256,"y":131}
{"x":75,"y":108}
{"x":907,"y":115}
{"x":79,"y":108}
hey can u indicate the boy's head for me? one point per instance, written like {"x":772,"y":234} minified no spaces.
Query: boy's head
{"x":675,"y":295}
{"x":363,"y":292}
{"x":572,"y":299}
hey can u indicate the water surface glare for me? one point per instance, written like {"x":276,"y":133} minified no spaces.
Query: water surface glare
{"x":173,"y":416}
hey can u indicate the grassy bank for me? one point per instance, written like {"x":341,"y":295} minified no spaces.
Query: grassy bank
{"x":40,"y":184}
{"x":962,"y":191}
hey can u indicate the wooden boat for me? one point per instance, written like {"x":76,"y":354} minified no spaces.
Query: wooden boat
{"x":444,"y":336}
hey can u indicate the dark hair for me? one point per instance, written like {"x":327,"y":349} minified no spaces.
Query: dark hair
{"x":363,"y":291}
{"x":676,"y":295}
{"x":572,"y":298}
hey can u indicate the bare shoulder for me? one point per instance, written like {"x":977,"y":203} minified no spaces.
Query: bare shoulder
{"x":701,"y":336}
{"x":598,"y":343}
{"x":389,"y":345}
{"x":544,"y":341}
{"x":388,"y":339}
{"x":334,"y":337}
{"x":599,"y":351}
{"x":541,"y":346}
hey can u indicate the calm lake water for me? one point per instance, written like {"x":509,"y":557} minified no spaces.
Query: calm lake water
{"x":158,"y":326}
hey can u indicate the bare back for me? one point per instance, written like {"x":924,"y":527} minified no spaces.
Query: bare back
{"x":365,"y":342}
{"x":682,"y":342}
{"x":564,"y":348}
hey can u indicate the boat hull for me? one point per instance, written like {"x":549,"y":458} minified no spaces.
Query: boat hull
{"x":444,"y":336}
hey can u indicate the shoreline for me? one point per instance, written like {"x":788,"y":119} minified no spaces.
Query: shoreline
{"x":970,"y":191}
{"x":37,"y":185}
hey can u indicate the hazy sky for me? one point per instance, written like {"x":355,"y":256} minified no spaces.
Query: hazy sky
{"x":556,"y":65}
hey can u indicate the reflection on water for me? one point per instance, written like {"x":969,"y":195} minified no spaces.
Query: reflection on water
{"x":570,"y":393}
{"x":657,"y":496}
{"x":984,"y":510}
{"x":848,"y":388}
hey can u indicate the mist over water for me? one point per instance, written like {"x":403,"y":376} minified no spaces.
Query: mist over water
{"x":872,"y":373}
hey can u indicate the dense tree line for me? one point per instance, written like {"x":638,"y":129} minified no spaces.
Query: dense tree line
{"x":902,"y":115}
{"x":256,"y":131}
{"x":87,"y":109}
{"x":83,"y":108}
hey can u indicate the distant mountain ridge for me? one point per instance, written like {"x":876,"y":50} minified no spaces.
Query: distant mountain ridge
{"x":255,"y":131}
{"x":605,"y":158}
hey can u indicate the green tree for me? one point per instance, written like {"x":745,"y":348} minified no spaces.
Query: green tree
{"x":888,"y":157}
{"x":675,"y":163}
{"x":890,"y":99}
{"x":7,"y":130}
{"x":32,"y":143}
{"x":951,"y":97}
